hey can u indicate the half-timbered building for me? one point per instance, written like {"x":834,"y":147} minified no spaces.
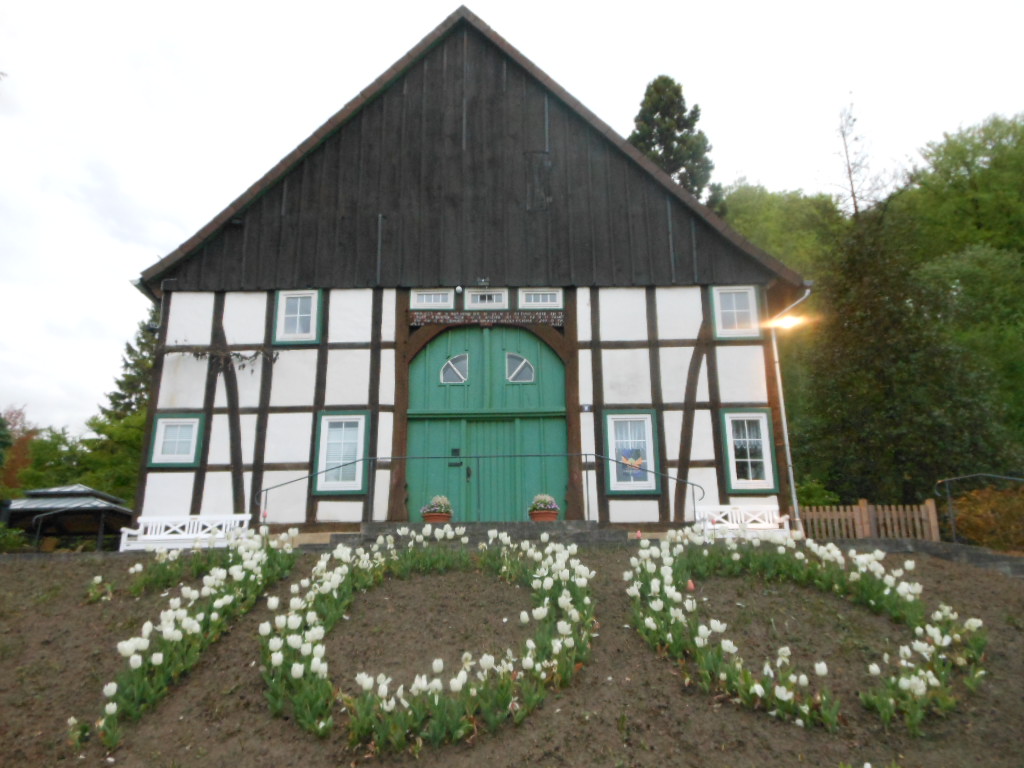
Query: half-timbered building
{"x":464,"y":283}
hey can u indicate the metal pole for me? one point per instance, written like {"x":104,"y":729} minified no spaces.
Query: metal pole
{"x":785,"y":433}
{"x":782,"y":406}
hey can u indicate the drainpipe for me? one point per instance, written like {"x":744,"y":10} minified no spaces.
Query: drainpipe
{"x":782,"y":404}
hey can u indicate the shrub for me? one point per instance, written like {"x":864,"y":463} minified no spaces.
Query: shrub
{"x":992,"y":517}
{"x":11,"y":539}
{"x":813,"y":493}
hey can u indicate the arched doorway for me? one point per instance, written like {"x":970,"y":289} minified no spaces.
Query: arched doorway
{"x":487,"y":423}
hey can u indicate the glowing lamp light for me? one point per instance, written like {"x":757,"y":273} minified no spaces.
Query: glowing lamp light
{"x":785,"y":322}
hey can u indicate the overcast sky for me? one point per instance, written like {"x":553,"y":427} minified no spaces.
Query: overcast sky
{"x":126,"y":126}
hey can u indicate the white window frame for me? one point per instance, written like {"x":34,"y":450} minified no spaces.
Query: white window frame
{"x":158,"y":458}
{"x":526,"y":304}
{"x":423,"y":298}
{"x":650,"y":480}
{"x":473,"y":294}
{"x":736,"y":484}
{"x":753,"y":330}
{"x":313,"y":336}
{"x":356,"y":485}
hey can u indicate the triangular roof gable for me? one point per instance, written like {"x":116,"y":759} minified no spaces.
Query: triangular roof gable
{"x":717,"y":254}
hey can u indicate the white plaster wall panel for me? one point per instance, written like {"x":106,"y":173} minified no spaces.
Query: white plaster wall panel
{"x":703,"y":447}
{"x":249,"y":380}
{"x":672,"y":423}
{"x":294,"y":377}
{"x":287,"y":504}
{"x":245,"y":317}
{"x":351,"y":316}
{"x":387,"y":377}
{"x":348,"y":377}
{"x":382,"y":484}
{"x":679,"y":312}
{"x":741,"y":374}
{"x":586,"y":377}
{"x":590,"y":496}
{"x":632,"y":511}
{"x":675,"y":366}
{"x":627,"y":376}
{"x":587,"y":444}
{"x":191,"y":318}
{"x":217,"y":497}
{"x":387,"y":319}
{"x":706,"y":478}
{"x":583,"y":314}
{"x":289,"y":437}
{"x":385,"y":429}
{"x":623,"y":314}
{"x":168,"y":493}
{"x":182,"y":382}
{"x":339,"y":511}
{"x":220,"y":447}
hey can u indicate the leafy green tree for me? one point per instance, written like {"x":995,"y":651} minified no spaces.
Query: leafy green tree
{"x":57,"y":458}
{"x":796,"y":228}
{"x":895,"y":404}
{"x":666,"y":131}
{"x":6,"y":441}
{"x":981,"y":302}
{"x":970,"y":189}
{"x":16,"y":457}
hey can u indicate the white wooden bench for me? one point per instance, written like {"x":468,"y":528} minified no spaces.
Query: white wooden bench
{"x":182,"y":531}
{"x":762,"y":520}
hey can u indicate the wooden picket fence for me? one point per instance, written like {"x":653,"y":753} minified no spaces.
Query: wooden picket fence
{"x":871,"y":521}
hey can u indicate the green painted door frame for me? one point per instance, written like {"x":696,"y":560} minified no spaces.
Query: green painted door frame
{"x":487,"y":424}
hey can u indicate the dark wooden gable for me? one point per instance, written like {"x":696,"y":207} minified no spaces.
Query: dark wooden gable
{"x":464,"y":161}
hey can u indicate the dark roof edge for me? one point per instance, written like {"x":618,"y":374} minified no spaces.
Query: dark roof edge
{"x":396,"y":70}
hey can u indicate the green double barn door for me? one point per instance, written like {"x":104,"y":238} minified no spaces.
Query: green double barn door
{"x":487,"y":424}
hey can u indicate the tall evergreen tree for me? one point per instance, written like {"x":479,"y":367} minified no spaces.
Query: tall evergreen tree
{"x":132,"y":393}
{"x":666,"y":131}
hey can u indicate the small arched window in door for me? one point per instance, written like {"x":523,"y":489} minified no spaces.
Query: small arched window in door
{"x":518,"y":369}
{"x":455,"y":370}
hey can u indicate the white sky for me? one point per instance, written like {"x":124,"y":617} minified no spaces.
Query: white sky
{"x":126,"y":126}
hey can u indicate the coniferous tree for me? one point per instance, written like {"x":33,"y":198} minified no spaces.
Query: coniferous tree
{"x":666,"y":131}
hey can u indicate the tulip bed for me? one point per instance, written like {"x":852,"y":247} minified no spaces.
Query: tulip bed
{"x":485,"y":691}
{"x":941,"y":656}
{"x":921,"y":678}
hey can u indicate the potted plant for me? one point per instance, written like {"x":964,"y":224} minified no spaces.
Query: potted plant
{"x":439,"y":510}
{"x":544,"y":508}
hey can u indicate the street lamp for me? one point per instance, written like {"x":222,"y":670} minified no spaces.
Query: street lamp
{"x":784,"y":320}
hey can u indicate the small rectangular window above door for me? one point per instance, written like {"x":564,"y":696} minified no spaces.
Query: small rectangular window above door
{"x":749,"y":447}
{"x":486,"y":298}
{"x":736,"y":312}
{"x":540,"y":298}
{"x":297,"y":317}
{"x":432,"y":298}
{"x":631,"y":447}
{"x":341,"y":452}
{"x":176,"y":440}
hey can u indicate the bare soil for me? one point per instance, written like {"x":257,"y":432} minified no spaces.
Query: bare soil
{"x":627,"y":707}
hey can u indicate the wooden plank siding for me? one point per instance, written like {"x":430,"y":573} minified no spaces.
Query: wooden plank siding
{"x":466,"y":166}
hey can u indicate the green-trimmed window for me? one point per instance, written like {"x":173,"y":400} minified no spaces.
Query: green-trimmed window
{"x":749,"y":451}
{"x":297,"y":317}
{"x":341,"y":452}
{"x":632,"y":450}
{"x":176,"y":440}
{"x":736,"y":312}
